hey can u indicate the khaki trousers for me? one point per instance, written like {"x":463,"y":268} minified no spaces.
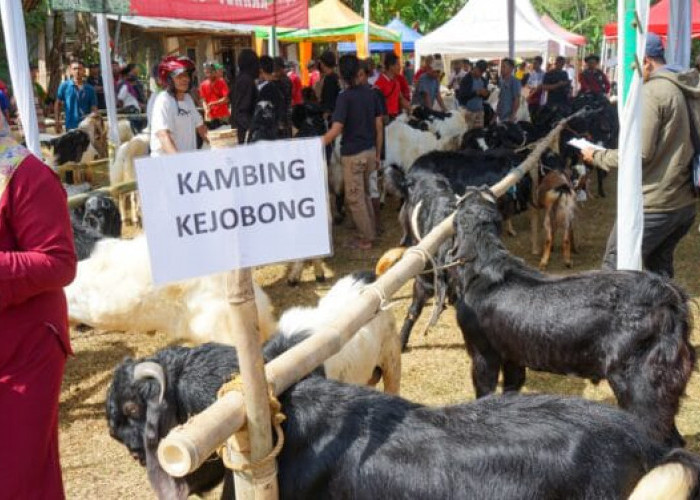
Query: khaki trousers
{"x":356,"y":170}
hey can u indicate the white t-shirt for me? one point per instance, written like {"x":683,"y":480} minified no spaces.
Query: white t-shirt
{"x":149,"y":106}
{"x":126,"y":98}
{"x":181,"y":118}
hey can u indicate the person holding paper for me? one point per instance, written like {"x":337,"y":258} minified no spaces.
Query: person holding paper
{"x":37,"y":259}
{"x":175,"y":120}
{"x":667,"y":150}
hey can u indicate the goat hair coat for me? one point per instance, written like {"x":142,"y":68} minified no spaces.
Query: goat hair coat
{"x":37,"y":260}
{"x":630,"y":328}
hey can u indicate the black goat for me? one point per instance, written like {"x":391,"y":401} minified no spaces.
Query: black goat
{"x":421,"y":113}
{"x":150,"y":396}
{"x":139,"y":417}
{"x":345,"y":441}
{"x":308,"y":119}
{"x":631,"y":328}
{"x":263,"y":126}
{"x":70,"y":146}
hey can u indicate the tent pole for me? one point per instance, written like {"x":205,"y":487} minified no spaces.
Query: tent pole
{"x":511,"y":29}
{"x":679,"y":33}
{"x":630,"y":208}
{"x":18,"y":61}
{"x":366,"y":26}
{"x":108,"y":79}
{"x":272,"y":42}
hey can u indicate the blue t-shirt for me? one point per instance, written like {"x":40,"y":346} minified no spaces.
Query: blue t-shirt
{"x":510,"y":90}
{"x":429,"y":85}
{"x":476,"y":103}
{"x":78,"y":102}
{"x":4,"y":102}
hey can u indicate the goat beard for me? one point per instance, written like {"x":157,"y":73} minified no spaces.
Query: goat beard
{"x":159,"y":420}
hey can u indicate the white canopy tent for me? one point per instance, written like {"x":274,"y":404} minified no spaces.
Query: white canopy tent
{"x":480,"y":30}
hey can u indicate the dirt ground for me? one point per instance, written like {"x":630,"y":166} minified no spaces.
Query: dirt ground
{"x":435,"y":369}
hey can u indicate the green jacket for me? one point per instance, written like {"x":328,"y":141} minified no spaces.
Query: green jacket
{"x":666,"y":146}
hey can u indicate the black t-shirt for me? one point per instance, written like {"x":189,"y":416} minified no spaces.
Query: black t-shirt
{"x":271,"y":92}
{"x":560,"y":95}
{"x":329,"y":92}
{"x":357,"y":109}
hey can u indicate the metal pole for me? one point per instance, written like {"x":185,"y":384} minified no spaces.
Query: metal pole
{"x":366,"y":25}
{"x":629,"y":31}
{"x":108,"y":79}
{"x":18,"y":61}
{"x":272,"y":42}
{"x":511,"y":29}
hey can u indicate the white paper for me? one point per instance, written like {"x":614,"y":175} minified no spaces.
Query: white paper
{"x":584,"y":144}
{"x":211,"y":211}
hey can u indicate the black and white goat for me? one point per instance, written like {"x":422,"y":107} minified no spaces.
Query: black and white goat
{"x":98,"y":218}
{"x":346,"y":441}
{"x":630,"y":328}
{"x":461,"y":169}
{"x":263,"y":126}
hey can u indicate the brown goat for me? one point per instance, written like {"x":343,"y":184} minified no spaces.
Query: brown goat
{"x":557,"y":197}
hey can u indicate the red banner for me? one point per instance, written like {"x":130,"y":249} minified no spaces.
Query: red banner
{"x":282,"y":13}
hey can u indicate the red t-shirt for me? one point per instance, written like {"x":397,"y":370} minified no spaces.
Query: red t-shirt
{"x":296,"y":88}
{"x":314,"y":77}
{"x":211,"y":92}
{"x":405,"y":89}
{"x":391,"y":88}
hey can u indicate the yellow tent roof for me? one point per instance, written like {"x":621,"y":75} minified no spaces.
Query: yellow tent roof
{"x":333,"y":21}
{"x":333,"y":14}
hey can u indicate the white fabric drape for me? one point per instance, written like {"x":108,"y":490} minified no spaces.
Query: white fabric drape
{"x":18,"y":62}
{"x":630,"y":208}
{"x":108,"y":78}
{"x":679,"y":25}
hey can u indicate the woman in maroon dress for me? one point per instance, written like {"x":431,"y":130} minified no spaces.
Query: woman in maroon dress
{"x":37,"y":259}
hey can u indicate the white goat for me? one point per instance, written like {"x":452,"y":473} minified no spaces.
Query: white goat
{"x":375,"y":346}
{"x":113,"y":290}
{"x":123,"y":168}
{"x":405,"y":144}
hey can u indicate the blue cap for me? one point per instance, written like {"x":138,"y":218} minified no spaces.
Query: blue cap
{"x":654,"y":47}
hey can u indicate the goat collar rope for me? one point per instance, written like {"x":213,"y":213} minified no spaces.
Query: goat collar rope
{"x":263,"y":468}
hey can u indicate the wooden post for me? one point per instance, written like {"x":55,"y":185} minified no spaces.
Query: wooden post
{"x":256,"y":443}
{"x":187,"y":446}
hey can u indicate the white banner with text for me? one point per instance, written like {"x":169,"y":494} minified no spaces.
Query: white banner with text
{"x":211,"y":211}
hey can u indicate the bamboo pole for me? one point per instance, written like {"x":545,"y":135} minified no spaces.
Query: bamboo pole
{"x":260,"y":483}
{"x":113,"y":191}
{"x":185,"y":448}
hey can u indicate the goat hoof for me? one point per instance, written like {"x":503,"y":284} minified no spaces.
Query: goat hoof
{"x":292,"y":283}
{"x":543,"y":266}
{"x":512,"y":233}
{"x":320,"y":279}
{"x":569,"y":264}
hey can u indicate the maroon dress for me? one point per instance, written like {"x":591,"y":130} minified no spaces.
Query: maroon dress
{"x":37,"y":259}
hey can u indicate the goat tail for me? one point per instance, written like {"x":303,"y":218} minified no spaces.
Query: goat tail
{"x":671,"y":359}
{"x":676,"y":477}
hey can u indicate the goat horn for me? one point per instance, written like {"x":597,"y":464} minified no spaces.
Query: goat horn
{"x":414,"y":220}
{"x":150,"y":369}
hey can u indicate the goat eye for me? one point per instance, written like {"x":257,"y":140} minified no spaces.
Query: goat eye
{"x":131,"y":409}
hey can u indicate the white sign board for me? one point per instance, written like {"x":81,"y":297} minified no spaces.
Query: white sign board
{"x":212,"y":211}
